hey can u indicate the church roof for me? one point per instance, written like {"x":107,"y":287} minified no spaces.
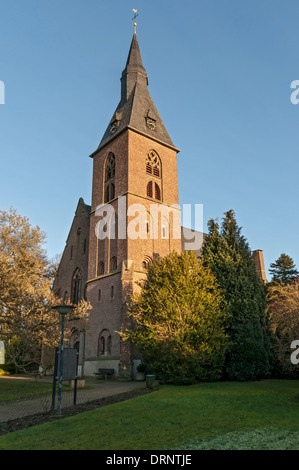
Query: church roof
{"x":136,"y":109}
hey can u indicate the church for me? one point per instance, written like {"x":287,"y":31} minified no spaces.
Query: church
{"x":134,"y":167}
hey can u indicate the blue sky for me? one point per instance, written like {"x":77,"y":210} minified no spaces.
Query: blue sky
{"x":219,"y":73}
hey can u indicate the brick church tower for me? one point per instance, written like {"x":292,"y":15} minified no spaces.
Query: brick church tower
{"x":134,"y":169}
{"x":135,"y":203}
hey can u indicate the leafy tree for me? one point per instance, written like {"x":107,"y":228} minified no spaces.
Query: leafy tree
{"x":283,"y":269}
{"x":179,"y":317}
{"x":283,"y":307}
{"x":227,"y":254}
{"x":27,"y":320}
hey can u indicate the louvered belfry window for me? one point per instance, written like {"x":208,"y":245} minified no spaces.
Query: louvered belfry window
{"x":149,"y":189}
{"x":157,"y":192}
{"x":153,"y":164}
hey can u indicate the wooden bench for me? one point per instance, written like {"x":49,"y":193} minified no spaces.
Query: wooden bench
{"x":104,"y":372}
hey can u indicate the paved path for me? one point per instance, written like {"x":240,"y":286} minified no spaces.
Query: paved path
{"x":94,"y":390}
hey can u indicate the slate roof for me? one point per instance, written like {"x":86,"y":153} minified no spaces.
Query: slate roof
{"x":136,"y":109}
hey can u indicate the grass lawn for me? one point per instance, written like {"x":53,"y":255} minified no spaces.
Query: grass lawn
{"x":17,"y":389}
{"x":251,"y":415}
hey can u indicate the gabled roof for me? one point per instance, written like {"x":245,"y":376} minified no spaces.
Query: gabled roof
{"x":82,"y":206}
{"x":136,"y":109}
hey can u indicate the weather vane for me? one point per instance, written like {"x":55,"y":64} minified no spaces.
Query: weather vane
{"x":134,"y":18}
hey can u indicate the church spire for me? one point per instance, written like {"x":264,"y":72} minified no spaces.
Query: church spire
{"x":136,"y":109}
{"x":134,"y":70}
{"x":134,"y":56}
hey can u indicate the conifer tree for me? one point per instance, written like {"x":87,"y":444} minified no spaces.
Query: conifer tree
{"x":283,"y":269}
{"x":179,"y":319}
{"x":227,"y":253}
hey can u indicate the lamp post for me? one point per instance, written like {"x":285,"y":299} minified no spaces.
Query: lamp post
{"x":63,"y":310}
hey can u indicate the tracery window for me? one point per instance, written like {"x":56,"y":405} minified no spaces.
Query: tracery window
{"x":109,"y":189}
{"x":153,"y":168}
{"x":110,"y":167}
{"x":153,"y":164}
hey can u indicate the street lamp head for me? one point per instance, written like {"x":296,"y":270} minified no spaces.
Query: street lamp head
{"x":63,"y":309}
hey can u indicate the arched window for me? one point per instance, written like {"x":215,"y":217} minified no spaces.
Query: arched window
{"x":149,"y":189}
{"x":109,"y":190}
{"x":76,"y":286}
{"x":99,"y":295}
{"x":113,"y":264}
{"x":101,"y":269}
{"x":110,"y":167}
{"x":153,"y":168}
{"x":104,"y":343}
{"x":146,"y":262}
{"x":153,"y":164}
{"x":112,"y":292}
